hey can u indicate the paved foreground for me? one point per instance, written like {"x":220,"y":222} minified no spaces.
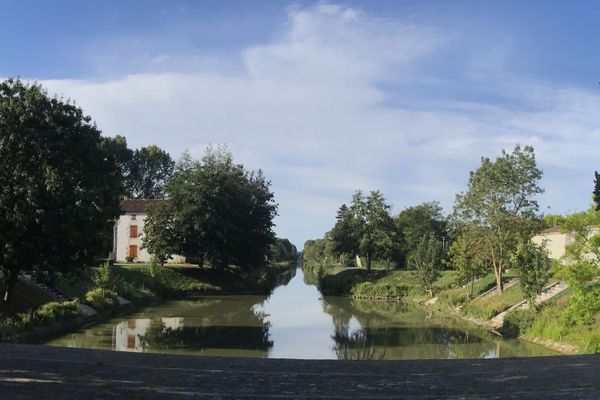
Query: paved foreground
{"x":40,"y":372}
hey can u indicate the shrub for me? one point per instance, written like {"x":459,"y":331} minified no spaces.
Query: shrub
{"x":453,"y":297}
{"x":517,"y":322}
{"x":591,"y":343}
{"x":101,"y":299}
{"x":50,"y":318}
{"x":378,"y":291}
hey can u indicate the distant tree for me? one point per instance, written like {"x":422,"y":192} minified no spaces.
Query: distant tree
{"x":377,"y":234}
{"x":344,"y":235}
{"x":499,"y":199}
{"x":59,"y":186}
{"x":596,"y":192}
{"x":533,"y":269}
{"x":149,"y":169}
{"x":283,"y":250}
{"x":425,"y":260}
{"x":551,"y":220}
{"x":469,"y":254}
{"x":414,"y":222}
{"x":218,"y":212}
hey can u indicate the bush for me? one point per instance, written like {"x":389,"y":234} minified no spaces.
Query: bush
{"x":591,"y":343}
{"x":101,"y":299}
{"x":517,"y":322}
{"x":453,"y":297}
{"x":378,"y":291}
{"x":50,"y":318}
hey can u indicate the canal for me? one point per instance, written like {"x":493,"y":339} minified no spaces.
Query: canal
{"x":295,"y":321}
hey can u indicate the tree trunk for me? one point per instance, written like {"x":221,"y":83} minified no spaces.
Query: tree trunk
{"x":368,"y":262}
{"x":10,"y":285}
{"x":498,"y":272}
{"x":472,"y":286}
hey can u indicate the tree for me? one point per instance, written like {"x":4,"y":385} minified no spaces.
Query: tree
{"x":149,"y":169}
{"x":414,"y":222}
{"x":59,"y":186}
{"x":377,"y":233}
{"x":344,"y":233}
{"x":499,"y":199}
{"x":116,"y":148}
{"x":469,"y":254}
{"x":160,"y":237}
{"x":217,"y":212}
{"x":533,"y":269}
{"x":596,"y":192}
{"x":425,"y":260}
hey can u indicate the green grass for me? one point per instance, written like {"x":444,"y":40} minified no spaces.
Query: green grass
{"x":489,"y":306}
{"x":341,"y":281}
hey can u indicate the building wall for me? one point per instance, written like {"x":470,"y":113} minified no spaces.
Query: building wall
{"x":555,"y":243}
{"x":123,"y":239}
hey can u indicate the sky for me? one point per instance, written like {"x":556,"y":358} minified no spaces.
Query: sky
{"x":330,"y":97}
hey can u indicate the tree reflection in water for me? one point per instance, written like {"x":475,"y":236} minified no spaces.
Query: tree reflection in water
{"x":159,"y":336}
{"x":355,"y":346}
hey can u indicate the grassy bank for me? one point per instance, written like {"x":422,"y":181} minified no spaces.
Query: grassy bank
{"x":34,"y":317}
{"x":554,"y":325}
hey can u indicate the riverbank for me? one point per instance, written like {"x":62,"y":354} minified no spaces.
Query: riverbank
{"x":477,"y":305}
{"x":61,"y":373}
{"x":130,"y":287}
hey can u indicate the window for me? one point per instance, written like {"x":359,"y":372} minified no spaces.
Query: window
{"x":133,"y":217}
{"x":133,"y":251}
{"x":133,"y":232}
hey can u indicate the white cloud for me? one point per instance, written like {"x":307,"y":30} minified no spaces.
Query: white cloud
{"x":312,"y":110}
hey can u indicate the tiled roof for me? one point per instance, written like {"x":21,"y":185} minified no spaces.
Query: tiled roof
{"x":136,"y":206}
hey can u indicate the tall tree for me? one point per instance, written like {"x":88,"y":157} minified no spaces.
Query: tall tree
{"x":596,"y":192}
{"x":59,"y":186}
{"x":425,"y":260}
{"x":469,"y":254}
{"x":344,"y":234}
{"x":533,"y":265}
{"x":500,"y":199}
{"x":414,"y":222}
{"x":149,"y":169}
{"x":378,"y":233}
{"x":217,"y":212}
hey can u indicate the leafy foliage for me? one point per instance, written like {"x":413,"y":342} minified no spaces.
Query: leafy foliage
{"x":533,"y":269}
{"x":217,"y":212}
{"x":101,"y":299}
{"x":149,"y":169}
{"x":49,"y":318}
{"x":500,"y":200}
{"x":59,"y":185}
{"x":469,"y":255}
{"x":425,"y":260}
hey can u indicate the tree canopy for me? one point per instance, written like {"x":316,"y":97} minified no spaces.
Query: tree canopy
{"x":216,"y":211}
{"x":500,"y":200}
{"x":59,"y":185}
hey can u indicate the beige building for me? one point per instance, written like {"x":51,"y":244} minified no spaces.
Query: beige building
{"x":128,"y":232}
{"x":555,"y":241}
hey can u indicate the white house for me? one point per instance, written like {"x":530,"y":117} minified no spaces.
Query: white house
{"x":128,"y":232}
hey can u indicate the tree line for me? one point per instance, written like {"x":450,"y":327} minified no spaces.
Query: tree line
{"x":489,"y":229}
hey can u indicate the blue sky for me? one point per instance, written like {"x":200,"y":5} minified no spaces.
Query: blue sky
{"x":326,"y":97}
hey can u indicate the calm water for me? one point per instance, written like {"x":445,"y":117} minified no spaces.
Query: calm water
{"x":296,"y":322}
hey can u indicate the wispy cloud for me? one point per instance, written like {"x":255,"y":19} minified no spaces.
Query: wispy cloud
{"x":327,"y":107}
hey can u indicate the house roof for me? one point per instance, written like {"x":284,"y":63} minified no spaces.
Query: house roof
{"x":137,"y":206}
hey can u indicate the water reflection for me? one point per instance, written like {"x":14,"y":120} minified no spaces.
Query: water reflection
{"x":296,"y":322}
